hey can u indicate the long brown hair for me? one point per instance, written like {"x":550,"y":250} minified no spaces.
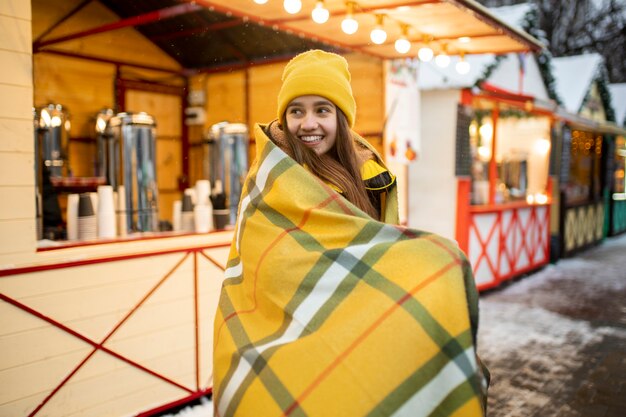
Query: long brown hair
{"x":339,"y":166}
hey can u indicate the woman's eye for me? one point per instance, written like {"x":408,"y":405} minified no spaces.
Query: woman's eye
{"x":295,"y":111}
{"x":323,"y":110}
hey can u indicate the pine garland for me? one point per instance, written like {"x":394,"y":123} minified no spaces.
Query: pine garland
{"x":489,"y":70}
{"x":544,"y":58}
{"x":530,"y":24}
{"x":605,"y":95}
{"x":602,"y":80}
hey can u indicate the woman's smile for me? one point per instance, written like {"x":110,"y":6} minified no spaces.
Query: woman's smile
{"x":311,"y":139}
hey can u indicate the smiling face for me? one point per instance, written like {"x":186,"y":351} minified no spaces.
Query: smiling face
{"x":313,"y":121}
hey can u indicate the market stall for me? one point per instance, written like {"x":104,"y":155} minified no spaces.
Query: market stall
{"x":126,"y":320}
{"x":482,"y":177}
{"x":589,"y":163}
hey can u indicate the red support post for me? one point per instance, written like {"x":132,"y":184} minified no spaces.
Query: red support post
{"x":493,"y":168}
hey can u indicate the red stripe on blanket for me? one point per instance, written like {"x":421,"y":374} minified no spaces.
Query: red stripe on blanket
{"x":365,"y":334}
{"x":284,"y":233}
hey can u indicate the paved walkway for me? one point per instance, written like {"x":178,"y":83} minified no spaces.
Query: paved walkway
{"x":555,"y":341}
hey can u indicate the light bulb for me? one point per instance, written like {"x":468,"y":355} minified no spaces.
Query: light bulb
{"x":101,"y":124}
{"x":462,"y":67}
{"x":425,"y":54}
{"x":320,"y":14}
{"x":403,"y":45}
{"x":260,"y":1}
{"x":45,"y":118}
{"x":442,"y":60}
{"x":378,"y":34}
{"x":292,"y":6}
{"x":55,"y":121}
{"x":349,"y":25}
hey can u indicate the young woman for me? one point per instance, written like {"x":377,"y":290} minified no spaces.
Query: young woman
{"x":328,"y":308}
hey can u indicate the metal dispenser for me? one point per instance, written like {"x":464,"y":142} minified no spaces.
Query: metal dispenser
{"x":133,"y":172}
{"x":227,"y":162}
{"x":105,"y":146}
{"x":52,"y":127}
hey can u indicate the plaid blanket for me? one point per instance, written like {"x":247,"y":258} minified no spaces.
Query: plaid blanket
{"x":326,"y":312}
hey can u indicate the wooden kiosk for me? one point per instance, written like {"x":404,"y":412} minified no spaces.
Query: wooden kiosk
{"x":493,"y":192}
{"x":590,"y":167}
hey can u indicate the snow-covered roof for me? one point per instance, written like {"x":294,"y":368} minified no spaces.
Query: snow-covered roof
{"x":574,"y":75}
{"x":432,"y":77}
{"x":512,"y":15}
{"x":618,"y":100}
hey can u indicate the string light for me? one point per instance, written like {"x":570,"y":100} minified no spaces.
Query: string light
{"x":349,"y":25}
{"x":292,"y":6}
{"x":320,"y":14}
{"x":442,"y":59}
{"x":425,"y":53}
{"x":378,"y":34}
{"x":462,"y":67}
{"x":402,"y":44}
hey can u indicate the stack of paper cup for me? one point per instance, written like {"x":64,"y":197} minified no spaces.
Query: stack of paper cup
{"x":87,"y":226}
{"x":94,"y":204}
{"x":203,"y":218}
{"x":106,"y":212}
{"x":72,"y":217}
{"x":203,"y":191}
{"x":176,"y":214}
{"x":203,"y":213}
{"x":187,"y":216}
{"x":192,"y":193}
{"x":122,"y":222}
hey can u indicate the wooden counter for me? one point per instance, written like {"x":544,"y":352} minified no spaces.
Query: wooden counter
{"x":114,"y":328}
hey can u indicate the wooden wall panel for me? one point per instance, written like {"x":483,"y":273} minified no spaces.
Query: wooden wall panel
{"x":15,"y":30}
{"x":22,"y":203}
{"x":17,"y":169}
{"x":16,"y":134}
{"x":368,"y":88}
{"x":16,"y":8}
{"x":225,"y":98}
{"x":83,"y":87}
{"x":165,"y":108}
{"x":265,"y":84}
{"x":22,"y":242}
{"x":17,"y":227}
{"x":17,"y":102}
{"x":123,"y":44}
{"x":160,"y":335}
{"x":12,"y":61}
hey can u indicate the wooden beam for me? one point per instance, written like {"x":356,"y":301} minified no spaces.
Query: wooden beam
{"x":143,"y":19}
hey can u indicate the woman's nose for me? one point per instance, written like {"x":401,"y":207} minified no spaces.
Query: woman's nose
{"x":309,"y":122}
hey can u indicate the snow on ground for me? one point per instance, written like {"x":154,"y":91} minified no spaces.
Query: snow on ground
{"x":204,"y":409}
{"x":538,"y":335}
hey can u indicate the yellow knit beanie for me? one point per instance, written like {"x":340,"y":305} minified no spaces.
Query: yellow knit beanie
{"x":318,"y":73}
